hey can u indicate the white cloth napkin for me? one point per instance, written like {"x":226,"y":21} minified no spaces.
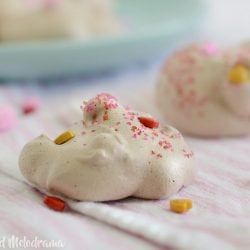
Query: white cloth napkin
{"x":220,"y":218}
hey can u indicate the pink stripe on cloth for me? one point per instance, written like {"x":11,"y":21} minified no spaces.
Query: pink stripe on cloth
{"x":220,"y":192}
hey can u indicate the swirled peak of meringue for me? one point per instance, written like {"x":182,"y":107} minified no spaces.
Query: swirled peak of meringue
{"x":204,"y":90}
{"x":112,"y":156}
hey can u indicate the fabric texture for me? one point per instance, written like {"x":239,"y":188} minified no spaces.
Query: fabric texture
{"x":220,"y":193}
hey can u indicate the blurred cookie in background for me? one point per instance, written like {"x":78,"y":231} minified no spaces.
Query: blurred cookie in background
{"x":50,"y":19}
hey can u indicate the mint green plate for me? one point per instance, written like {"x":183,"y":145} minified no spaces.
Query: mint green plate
{"x":153,"y":26}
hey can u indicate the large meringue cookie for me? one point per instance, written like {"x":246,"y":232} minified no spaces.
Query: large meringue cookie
{"x":205,"y":91}
{"x":112,"y":156}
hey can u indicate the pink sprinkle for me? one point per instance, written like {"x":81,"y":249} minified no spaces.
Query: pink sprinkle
{"x":30,"y":105}
{"x":127,"y":107}
{"x":159,"y":155}
{"x":7,"y":118}
{"x":51,"y":3}
{"x":106,"y":100}
{"x":210,"y":49}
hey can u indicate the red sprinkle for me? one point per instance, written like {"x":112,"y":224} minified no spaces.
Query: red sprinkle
{"x":30,"y":105}
{"x":54,"y":203}
{"x":149,"y":122}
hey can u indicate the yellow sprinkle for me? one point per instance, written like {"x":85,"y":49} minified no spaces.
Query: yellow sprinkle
{"x":238,"y":74}
{"x":189,"y":203}
{"x":180,"y":205}
{"x":66,"y":136}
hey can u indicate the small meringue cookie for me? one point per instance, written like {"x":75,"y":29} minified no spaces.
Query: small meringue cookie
{"x":205,"y":91}
{"x":115,"y":153}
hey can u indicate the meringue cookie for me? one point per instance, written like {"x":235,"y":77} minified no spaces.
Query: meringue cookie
{"x":46,"y":19}
{"x":115,"y":153}
{"x":205,"y":91}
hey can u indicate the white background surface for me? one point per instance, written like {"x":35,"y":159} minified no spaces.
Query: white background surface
{"x":228,"y":21}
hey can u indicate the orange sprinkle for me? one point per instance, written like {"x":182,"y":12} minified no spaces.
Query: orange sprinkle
{"x":149,"y":122}
{"x":66,"y":136}
{"x":54,"y":203}
{"x":180,"y":205}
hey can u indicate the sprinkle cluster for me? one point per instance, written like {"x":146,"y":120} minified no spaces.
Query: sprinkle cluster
{"x":141,"y":128}
{"x":109,"y":102}
{"x":161,"y":138}
{"x":105,"y":100}
{"x":184,"y":76}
